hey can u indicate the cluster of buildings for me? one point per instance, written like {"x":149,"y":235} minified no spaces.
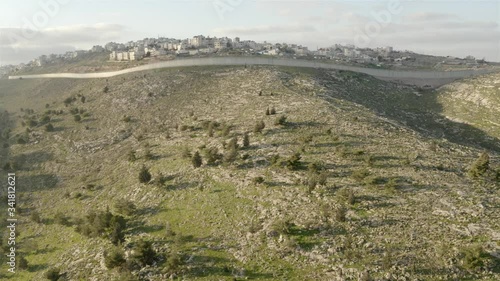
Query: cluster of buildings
{"x":201,"y":45}
{"x":153,"y":47}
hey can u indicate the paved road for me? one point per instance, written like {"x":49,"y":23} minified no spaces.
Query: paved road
{"x":433,"y":78}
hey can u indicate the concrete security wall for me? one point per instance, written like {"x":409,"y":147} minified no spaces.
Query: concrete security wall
{"x":380,"y":73}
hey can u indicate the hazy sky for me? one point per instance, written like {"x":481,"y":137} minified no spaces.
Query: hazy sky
{"x":457,"y":28}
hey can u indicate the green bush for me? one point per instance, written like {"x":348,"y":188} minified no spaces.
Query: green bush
{"x":293,"y":163}
{"x":196,"y":160}
{"x":23,"y":263}
{"x":114,"y":258}
{"x":125,"y":207}
{"x":49,"y":127}
{"x":246,"y":140}
{"x":280,"y":121}
{"x":144,"y":253}
{"x":360,"y":175}
{"x":474,"y":257}
{"x":52,"y":274}
{"x":259,"y":126}
{"x":144,"y":175}
{"x":258,"y":180}
{"x":77,"y":118}
{"x":481,"y":166}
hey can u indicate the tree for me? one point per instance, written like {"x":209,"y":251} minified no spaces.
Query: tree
{"x":144,"y":252}
{"x":481,"y":166}
{"x":144,"y":175}
{"x":114,"y":258}
{"x":196,"y":160}
{"x":246,"y":140}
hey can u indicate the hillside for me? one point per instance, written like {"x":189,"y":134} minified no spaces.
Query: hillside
{"x":351,"y":178}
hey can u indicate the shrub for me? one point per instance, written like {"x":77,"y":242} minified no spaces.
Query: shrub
{"x":186,"y":153}
{"x":351,"y":198}
{"x":21,"y":140}
{"x":173,"y":262}
{"x":35,"y":216}
{"x":481,"y":166}
{"x":196,"y":160}
{"x":147,"y":154}
{"x":311,"y":183}
{"x":61,"y":219}
{"x":474,"y":257}
{"x":258,"y":180}
{"x":210,"y":129}
{"x":280,"y":120}
{"x":49,"y":127}
{"x":32,"y":123}
{"x":259,"y":126}
{"x":360,"y":175}
{"x":268,"y":112}
{"x":77,"y":118}
{"x":293,"y":163}
{"x":212,"y":155}
{"x":125,"y":207}
{"x":340,"y":214}
{"x":114,"y":258}
{"x":82,"y":99}
{"x":126,"y":118}
{"x":230,"y":155}
{"x":144,"y":253}
{"x":144,"y":175}
{"x":225,"y":130}
{"x":52,"y":274}
{"x":45,"y":119}
{"x":273,"y":111}
{"x":106,"y":89}
{"x":68,"y":101}
{"x":246,"y":140}
{"x":274,"y":159}
{"x":23,"y":263}
{"x":131,"y":156}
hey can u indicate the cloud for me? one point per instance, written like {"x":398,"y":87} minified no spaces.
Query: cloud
{"x":431,"y":16}
{"x":264,"y":29}
{"x":21,"y":45}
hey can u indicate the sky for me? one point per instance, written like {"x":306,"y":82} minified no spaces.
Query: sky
{"x":30,"y":28}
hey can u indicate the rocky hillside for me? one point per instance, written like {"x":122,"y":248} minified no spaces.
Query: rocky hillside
{"x":210,"y":173}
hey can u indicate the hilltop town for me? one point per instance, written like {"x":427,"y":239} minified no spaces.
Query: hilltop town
{"x":153,"y":49}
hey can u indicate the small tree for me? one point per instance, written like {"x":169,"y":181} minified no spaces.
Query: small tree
{"x":77,"y":118}
{"x":481,"y":166}
{"x":52,"y":274}
{"x":196,"y":160}
{"x":144,"y":175}
{"x":144,"y":253}
{"x":114,"y":258}
{"x":246,"y":140}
